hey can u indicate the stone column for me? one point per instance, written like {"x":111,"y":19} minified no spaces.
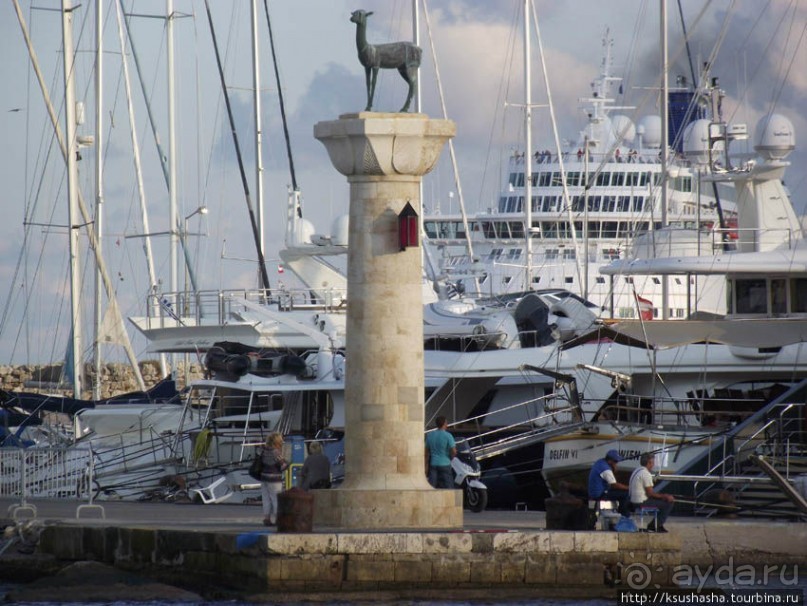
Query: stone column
{"x":384,"y":157}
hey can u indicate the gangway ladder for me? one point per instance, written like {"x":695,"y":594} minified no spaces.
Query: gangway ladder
{"x":786,"y":487}
{"x":23,"y":505}
{"x":89,"y":505}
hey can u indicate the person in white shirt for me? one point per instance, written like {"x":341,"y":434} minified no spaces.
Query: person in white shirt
{"x":642,"y":493}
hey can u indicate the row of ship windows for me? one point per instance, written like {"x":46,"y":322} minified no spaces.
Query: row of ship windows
{"x":514,"y":230}
{"x":768,"y":296}
{"x":608,"y":204}
{"x":603,"y":179}
{"x":550,"y":254}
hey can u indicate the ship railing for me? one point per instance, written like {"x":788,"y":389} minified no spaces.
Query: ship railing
{"x":710,"y":414}
{"x":216,"y":307}
{"x":733,"y":235}
{"x":47,"y":472}
{"x":465,"y":342}
{"x":541,"y":418}
{"x":780,"y":435}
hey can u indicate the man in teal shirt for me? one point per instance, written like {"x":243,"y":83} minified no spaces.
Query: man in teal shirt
{"x":440,"y":449}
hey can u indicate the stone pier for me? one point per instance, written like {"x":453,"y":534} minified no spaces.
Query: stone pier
{"x":384,"y":157}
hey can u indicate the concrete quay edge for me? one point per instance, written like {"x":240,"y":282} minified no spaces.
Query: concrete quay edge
{"x":227,"y":546}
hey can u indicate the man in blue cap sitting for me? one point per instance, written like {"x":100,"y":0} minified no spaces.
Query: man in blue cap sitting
{"x":602,"y":484}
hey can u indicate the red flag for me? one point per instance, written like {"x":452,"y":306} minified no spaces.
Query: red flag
{"x":645,"y":307}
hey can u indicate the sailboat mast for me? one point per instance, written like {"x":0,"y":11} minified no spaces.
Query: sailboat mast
{"x":665,"y":89}
{"x":172,"y":150}
{"x":528,"y":147}
{"x":256,"y":85}
{"x":416,"y":41}
{"x":99,"y":189}
{"x":109,"y":288}
{"x":72,"y":194}
{"x":264,"y":277}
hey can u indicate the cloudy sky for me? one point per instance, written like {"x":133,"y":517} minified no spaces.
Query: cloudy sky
{"x":761,"y":64}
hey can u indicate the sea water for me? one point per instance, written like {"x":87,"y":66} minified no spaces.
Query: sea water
{"x":335,"y":602}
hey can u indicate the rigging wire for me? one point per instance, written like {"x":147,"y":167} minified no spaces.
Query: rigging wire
{"x":244,"y":183}
{"x":282,"y":107}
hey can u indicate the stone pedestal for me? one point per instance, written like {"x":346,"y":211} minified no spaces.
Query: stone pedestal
{"x":384,"y":157}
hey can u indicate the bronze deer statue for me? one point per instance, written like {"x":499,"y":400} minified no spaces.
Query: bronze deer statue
{"x":403,"y":56}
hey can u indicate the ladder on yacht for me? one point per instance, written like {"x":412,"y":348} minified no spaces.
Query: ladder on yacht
{"x":761,"y":462}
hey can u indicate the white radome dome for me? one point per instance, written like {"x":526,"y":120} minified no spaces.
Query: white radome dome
{"x":776,"y":137}
{"x":696,"y":141}
{"x":651,"y":125}
{"x":339,"y":230}
{"x":600,"y":135}
{"x":623,"y":129}
{"x":305,"y":231}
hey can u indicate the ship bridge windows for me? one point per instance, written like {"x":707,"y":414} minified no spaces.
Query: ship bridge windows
{"x":608,"y":204}
{"x":549,"y":229}
{"x":551,"y":254}
{"x":511,"y":204}
{"x":569,"y":254}
{"x":451,"y":230}
{"x":623,"y":204}
{"x":779,"y":296}
{"x":557,"y":180}
{"x":798,"y":295}
{"x":632,"y":179}
{"x":768,"y":296}
{"x":577,"y":204}
{"x":604,"y":179}
{"x":682,"y":184}
{"x":638,"y":203}
{"x":609,"y":229}
{"x":594,"y":203}
{"x":751,"y":296}
{"x":516,"y":229}
{"x":544,"y":179}
{"x":514,"y":254}
{"x":549,"y":203}
{"x":618,"y":179}
{"x":516,"y":179}
{"x":495,"y":254}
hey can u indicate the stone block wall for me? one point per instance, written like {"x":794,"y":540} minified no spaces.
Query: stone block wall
{"x":116,"y":378}
{"x":357,"y":561}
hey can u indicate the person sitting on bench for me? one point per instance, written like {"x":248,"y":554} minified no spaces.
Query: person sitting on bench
{"x":643,"y":495}
{"x":602,"y":484}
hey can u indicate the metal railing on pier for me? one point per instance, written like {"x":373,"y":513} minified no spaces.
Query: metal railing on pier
{"x":50,"y":472}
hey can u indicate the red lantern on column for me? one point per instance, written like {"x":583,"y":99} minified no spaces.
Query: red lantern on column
{"x":408,"y":227}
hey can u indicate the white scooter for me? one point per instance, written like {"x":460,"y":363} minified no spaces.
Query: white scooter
{"x":467,"y":472}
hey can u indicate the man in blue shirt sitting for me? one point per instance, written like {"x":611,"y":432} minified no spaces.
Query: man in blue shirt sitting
{"x":602,"y":484}
{"x":440,"y":449}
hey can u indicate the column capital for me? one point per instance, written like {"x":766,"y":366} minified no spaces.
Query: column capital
{"x":384,"y":144}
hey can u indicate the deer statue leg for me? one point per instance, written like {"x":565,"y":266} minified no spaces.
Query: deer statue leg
{"x":369,"y":89}
{"x":409,"y":74}
{"x":373,"y":78}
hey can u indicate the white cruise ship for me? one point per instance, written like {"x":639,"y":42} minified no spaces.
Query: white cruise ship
{"x":612,"y":193}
